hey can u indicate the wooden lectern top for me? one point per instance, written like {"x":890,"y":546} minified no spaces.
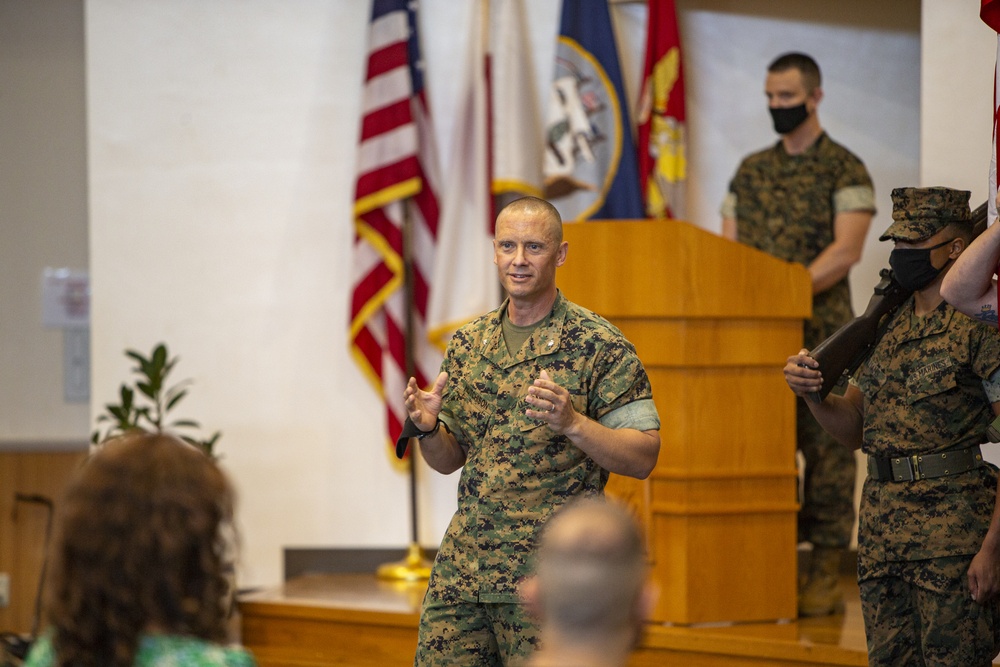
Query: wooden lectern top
{"x":669,"y":268}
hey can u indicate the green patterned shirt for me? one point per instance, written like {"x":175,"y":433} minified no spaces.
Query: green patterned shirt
{"x":160,"y":651}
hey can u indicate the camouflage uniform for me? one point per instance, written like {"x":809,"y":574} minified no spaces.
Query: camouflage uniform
{"x":928,"y":387}
{"x":923,"y":393}
{"x":517,"y":471}
{"x":785,"y":205}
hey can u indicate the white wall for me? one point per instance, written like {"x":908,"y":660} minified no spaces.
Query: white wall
{"x":956,"y":91}
{"x":221,"y":150}
{"x":222,"y":139}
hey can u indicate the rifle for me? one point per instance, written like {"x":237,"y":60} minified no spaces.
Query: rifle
{"x":841,"y":354}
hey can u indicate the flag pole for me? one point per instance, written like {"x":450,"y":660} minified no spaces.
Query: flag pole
{"x":415,"y":566}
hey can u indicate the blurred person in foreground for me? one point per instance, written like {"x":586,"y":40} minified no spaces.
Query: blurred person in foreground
{"x":142,"y":561}
{"x":590,"y":588}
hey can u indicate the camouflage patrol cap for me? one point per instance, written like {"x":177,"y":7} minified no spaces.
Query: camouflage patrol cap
{"x":920,"y":213}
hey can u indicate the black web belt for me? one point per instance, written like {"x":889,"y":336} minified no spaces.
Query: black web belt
{"x":924,"y":466}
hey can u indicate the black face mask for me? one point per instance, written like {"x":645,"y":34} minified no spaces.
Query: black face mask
{"x":786,"y":120}
{"x":912,"y":267}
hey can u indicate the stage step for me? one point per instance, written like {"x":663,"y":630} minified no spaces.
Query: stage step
{"x":355,"y":619}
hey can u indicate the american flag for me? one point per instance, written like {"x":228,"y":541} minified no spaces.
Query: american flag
{"x":395,"y":182}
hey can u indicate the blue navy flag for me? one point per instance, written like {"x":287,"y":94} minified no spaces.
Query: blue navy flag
{"x":590,"y":160}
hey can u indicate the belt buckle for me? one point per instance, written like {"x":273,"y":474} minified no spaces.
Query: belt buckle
{"x":913,"y":462}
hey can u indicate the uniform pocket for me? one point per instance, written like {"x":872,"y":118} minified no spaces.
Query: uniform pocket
{"x":925,"y":383}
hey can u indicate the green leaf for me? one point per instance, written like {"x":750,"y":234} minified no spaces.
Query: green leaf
{"x":172,"y":390}
{"x":160,"y":356}
{"x":209,"y":445}
{"x":185,"y":423}
{"x":175,"y":399}
{"x":146,"y":389}
{"x":145,"y":366}
{"x":144,"y":413}
{"x":135,"y":355}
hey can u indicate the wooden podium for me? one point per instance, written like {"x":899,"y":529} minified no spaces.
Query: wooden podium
{"x":713,"y":322}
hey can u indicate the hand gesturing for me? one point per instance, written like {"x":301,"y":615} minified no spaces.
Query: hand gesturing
{"x":423,"y":406}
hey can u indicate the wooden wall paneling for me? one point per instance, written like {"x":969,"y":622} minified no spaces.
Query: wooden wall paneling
{"x":8,"y":464}
{"x":23,"y":525}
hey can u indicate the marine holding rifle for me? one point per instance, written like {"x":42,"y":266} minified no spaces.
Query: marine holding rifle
{"x":919,"y":406}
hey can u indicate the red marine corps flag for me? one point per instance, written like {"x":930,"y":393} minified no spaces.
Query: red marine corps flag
{"x":662,"y":132}
{"x":989,"y":11}
{"x":394,"y":195}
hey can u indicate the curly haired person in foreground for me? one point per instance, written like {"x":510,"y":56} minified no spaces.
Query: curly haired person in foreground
{"x":142,"y":561}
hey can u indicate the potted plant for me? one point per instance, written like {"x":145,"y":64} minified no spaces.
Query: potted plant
{"x":146,"y":405}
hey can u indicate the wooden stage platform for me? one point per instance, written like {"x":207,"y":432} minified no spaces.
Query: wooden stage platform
{"x":355,"y":619}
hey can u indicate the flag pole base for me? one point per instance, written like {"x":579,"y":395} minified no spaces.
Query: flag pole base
{"x":412,"y":568}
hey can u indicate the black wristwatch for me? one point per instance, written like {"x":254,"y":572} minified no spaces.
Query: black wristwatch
{"x":424,"y":434}
{"x":410,"y":430}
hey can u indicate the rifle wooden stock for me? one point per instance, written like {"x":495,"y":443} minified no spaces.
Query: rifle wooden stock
{"x":847,"y":348}
{"x":844,"y":351}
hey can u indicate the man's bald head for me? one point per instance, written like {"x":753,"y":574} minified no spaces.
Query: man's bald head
{"x":591,"y":569}
{"x":534,"y":208}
